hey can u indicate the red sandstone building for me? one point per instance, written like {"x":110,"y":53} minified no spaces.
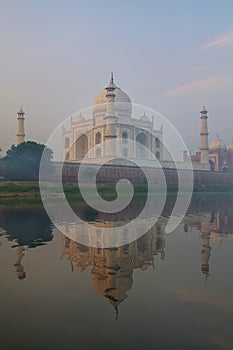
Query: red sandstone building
{"x":220,"y":156}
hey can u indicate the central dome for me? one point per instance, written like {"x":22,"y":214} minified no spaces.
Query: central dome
{"x":122,"y":105}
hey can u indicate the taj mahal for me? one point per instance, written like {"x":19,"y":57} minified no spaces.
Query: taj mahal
{"x":111,"y":120}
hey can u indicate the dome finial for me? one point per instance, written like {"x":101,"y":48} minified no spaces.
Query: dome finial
{"x":111,"y":80}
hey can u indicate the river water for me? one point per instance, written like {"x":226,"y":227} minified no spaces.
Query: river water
{"x":163,"y":291}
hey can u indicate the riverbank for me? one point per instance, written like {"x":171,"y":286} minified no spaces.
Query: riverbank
{"x":30,"y":190}
{"x":9,"y":189}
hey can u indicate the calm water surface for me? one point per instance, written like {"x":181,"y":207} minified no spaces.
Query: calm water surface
{"x":160,"y":292}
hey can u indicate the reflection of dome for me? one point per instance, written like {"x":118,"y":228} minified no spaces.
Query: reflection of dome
{"x":123,"y":105}
{"x":217,"y":144}
{"x":144,"y":118}
{"x":230,"y":147}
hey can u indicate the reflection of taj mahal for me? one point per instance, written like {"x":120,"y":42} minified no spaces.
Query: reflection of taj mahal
{"x":111,"y":120}
{"x":112,"y":268}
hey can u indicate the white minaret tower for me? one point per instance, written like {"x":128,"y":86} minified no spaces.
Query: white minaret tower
{"x":110,"y":119}
{"x":204,"y":148}
{"x":20,"y":133}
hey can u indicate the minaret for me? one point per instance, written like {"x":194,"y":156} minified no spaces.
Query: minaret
{"x":185,"y":156}
{"x":204,"y":148}
{"x":20,"y":133}
{"x":110,"y":119}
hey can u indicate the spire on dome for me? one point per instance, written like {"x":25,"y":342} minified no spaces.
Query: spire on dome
{"x":111,"y":80}
{"x":101,"y":101}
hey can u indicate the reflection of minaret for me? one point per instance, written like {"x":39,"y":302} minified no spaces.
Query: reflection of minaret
{"x":20,"y":133}
{"x":19,"y":267}
{"x":204,"y":148}
{"x":206,"y":249}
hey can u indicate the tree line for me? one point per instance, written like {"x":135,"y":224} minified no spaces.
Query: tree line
{"x":22,"y":162}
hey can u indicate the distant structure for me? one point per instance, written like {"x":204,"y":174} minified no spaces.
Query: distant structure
{"x":216,"y":157}
{"x":20,"y":132}
{"x":111,"y":119}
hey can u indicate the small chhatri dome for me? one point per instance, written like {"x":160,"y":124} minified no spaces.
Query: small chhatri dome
{"x":145,"y":118}
{"x":80,"y":119}
{"x":123,"y":104}
{"x":230,"y":147}
{"x":204,"y":110}
{"x":217,"y":144}
{"x":21,"y":112}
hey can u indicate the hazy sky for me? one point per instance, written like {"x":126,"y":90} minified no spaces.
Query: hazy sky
{"x":173,"y":56}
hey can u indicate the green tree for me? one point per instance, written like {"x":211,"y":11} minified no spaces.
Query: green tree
{"x":23,"y":161}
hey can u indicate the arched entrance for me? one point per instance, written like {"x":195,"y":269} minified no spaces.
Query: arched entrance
{"x":81,"y":147}
{"x":212,"y":165}
{"x":125,"y":138}
{"x":97,"y":138}
{"x":140,"y":151}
